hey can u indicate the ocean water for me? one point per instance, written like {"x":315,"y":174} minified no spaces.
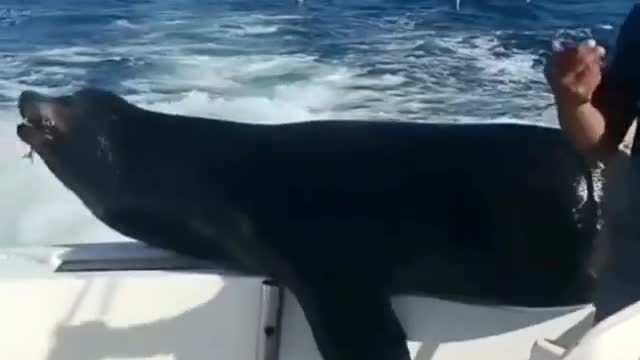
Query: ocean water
{"x":272,"y":61}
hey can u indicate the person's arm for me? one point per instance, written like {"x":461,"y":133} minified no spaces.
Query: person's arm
{"x":597,"y":113}
{"x":585,"y":126}
{"x":592,"y":113}
{"x":598,"y":127}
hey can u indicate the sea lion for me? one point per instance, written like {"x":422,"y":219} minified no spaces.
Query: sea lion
{"x":343,"y":213}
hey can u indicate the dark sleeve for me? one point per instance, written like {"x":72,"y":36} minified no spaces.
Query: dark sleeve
{"x":617,"y":95}
{"x":618,"y":109}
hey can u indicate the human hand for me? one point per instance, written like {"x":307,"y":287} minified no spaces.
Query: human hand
{"x":573,"y":73}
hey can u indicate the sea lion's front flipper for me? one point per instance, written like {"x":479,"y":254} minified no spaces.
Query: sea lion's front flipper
{"x":351,"y":320}
{"x":174,"y":233}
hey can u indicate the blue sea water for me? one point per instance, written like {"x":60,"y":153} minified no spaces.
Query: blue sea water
{"x":273,"y":61}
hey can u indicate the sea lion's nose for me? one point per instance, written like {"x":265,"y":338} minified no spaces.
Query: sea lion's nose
{"x":27,"y":100}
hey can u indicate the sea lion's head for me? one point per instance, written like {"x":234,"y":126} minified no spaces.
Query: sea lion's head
{"x":71,"y":134}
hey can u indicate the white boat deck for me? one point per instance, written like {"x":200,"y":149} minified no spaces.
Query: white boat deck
{"x":128,"y":301}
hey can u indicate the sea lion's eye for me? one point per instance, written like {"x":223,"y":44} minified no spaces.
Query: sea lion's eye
{"x":48,"y":122}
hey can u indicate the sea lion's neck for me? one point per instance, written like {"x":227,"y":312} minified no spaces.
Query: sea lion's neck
{"x":147,"y":143}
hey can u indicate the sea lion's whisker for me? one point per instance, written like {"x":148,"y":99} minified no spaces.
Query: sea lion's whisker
{"x":29,"y":155}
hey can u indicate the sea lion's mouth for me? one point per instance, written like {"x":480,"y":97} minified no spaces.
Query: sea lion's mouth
{"x":37,"y":127}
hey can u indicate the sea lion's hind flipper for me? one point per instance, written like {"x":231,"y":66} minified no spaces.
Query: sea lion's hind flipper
{"x":352,"y":321}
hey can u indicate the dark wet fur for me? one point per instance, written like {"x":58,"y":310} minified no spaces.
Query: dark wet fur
{"x":346,"y":213}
